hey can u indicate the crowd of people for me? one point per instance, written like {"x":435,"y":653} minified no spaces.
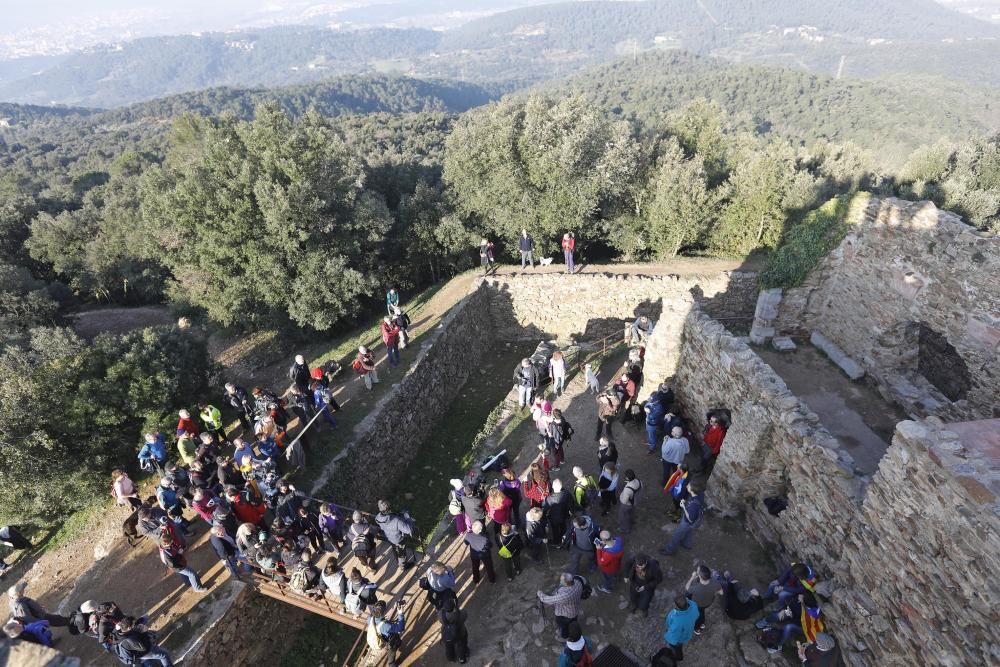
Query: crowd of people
{"x":235,"y":482}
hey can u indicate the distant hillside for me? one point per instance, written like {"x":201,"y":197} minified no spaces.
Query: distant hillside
{"x":856,"y":38}
{"x":891,"y":118}
{"x":153,"y":67}
{"x":12,"y":115}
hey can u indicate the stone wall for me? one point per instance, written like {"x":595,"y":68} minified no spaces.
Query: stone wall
{"x":908,"y":273}
{"x":391,"y":434}
{"x":910,"y":553}
{"x":590,"y":306}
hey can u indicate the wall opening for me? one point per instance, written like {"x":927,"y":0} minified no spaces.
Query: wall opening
{"x":940,"y":363}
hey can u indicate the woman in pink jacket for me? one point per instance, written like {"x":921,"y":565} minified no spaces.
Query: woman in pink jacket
{"x":498,"y":510}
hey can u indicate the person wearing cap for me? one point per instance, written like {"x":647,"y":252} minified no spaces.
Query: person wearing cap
{"x":364,"y":366}
{"x":390,"y":336}
{"x":565,"y":601}
{"x":578,"y":649}
{"x":823,"y":652}
{"x":643,"y":575}
{"x":526,"y":380}
{"x":609,"y":559}
{"x":680,"y":624}
{"x":480,"y":552}
{"x":298,"y":373}
{"x":27,"y":610}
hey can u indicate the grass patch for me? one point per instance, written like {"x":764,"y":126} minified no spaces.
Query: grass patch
{"x":808,"y":242}
{"x":319,"y":641}
{"x":73,"y":526}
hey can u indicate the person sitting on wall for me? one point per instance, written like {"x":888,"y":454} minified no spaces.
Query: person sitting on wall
{"x":641,"y":330}
{"x":799,"y":578}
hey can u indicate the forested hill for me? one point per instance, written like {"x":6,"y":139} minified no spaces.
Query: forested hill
{"x":25,"y":114}
{"x":147,"y":68}
{"x":892,"y":117}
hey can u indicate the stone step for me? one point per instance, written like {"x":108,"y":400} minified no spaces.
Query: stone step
{"x":853,"y":369}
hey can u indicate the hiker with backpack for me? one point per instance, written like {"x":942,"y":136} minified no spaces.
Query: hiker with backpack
{"x":608,"y":404}
{"x":580,"y":539}
{"x":480,"y":552}
{"x":526,"y":381}
{"x":680,"y":623}
{"x":324,"y":402}
{"x":299,"y":374}
{"x":402,"y":322}
{"x":360,"y":593}
{"x":133,"y":644}
{"x":361,"y":535}
{"x":397,"y":528}
{"x":439,"y":582}
{"x":692,"y":516}
{"x":390,"y":337}
{"x":607,"y":485}
{"x":306,"y":578}
{"x":454,"y":634}
{"x":535,"y":533}
{"x":172,"y":550}
{"x":643,"y":575}
{"x":626,"y":501}
{"x":153,"y":455}
{"x":384,"y":631}
{"x":584,"y":489}
{"x":509,"y":545}
{"x":674,"y":450}
{"x":578,"y":650}
{"x":557,"y":509}
{"x":364,"y":366}
{"x":334,"y":580}
{"x":565,"y":602}
{"x":558,"y":433}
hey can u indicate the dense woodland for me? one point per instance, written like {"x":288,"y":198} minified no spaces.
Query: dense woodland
{"x":296,"y":207}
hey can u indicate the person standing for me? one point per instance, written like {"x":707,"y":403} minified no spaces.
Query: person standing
{"x":526,"y":245}
{"x":526,"y":381}
{"x":565,"y":601}
{"x":580,"y":539}
{"x":439,"y":582}
{"x":398,"y":531}
{"x":557,"y":371}
{"x":225,"y":548}
{"x":626,"y":501}
{"x":402,"y":321}
{"x":383,"y":635}
{"x":211,"y":419}
{"x":643,"y":575}
{"x":607,"y":485}
{"x":361,"y":535}
{"x":510,"y":485}
{"x":535,"y":533}
{"x":568,"y":246}
{"x":626,"y":389}
{"x":153,"y":455}
{"x":486,"y":259}
{"x":673,"y":452}
{"x":680,"y":624}
{"x":480,"y":552}
{"x":607,"y":409}
{"x":364,"y":366}
{"x":454,"y":634}
{"x":172,"y":555}
{"x":609,"y":559}
{"x":692,"y":516}
{"x":238,"y":399}
{"x":391,"y":299}
{"x":578,"y":649}
{"x":324,"y":402}
{"x":655,"y":412}
{"x":557,"y":507}
{"x":703,"y":589}
{"x":497,"y":510}
{"x":715,"y":433}
{"x":122,"y":489}
{"x":390,"y":336}
{"x":299,"y":373}
{"x":509,"y":549}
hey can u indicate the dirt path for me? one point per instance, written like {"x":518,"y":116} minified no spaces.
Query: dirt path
{"x":90,"y":323}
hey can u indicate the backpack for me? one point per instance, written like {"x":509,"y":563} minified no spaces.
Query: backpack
{"x":589,"y":488}
{"x":357,"y":367}
{"x":299,"y":582}
{"x":352,"y":603}
{"x":454,"y":505}
{"x":588,"y":590}
{"x":585,"y":660}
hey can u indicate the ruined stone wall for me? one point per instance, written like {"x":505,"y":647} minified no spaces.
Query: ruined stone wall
{"x":590,"y":306}
{"x":910,"y":554}
{"x":405,"y":417}
{"x":908,"y":273}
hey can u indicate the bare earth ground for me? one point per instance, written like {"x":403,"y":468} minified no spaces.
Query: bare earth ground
{"x":97,"y":564}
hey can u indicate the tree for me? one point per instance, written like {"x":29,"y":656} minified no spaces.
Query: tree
{"x":682,"y":206}
{"x":754,"y":213}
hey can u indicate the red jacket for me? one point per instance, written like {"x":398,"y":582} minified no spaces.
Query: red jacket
{"x":569,"y":244}
{"x":390,"y":334}
{"x":714,"y":435}
{"x":188,"y":425}
{"x":609,"y":559}
{"x":246,"y":512}
{"x":500,"y":515}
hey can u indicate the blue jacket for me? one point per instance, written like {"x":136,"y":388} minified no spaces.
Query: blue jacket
{"x":680,"y":624}
{"x":167,"y":497}
{"x":154,"y":450}
{"x":654,"y":411}
{"x":526,"y":243}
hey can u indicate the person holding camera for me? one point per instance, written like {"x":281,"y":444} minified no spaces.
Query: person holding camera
{"x":384,"y":629}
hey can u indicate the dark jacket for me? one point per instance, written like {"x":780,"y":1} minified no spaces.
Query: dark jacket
{"x":479,"y":544}
{"x":238,"y":400}
{"x":473,"y":507}
{"x":299,"y":374}
{"x":653,"y":575}
{"x":526,"y":376}
{"x":526,"y":243}
{"x":223,"y":546}
{"x":557,"y":505}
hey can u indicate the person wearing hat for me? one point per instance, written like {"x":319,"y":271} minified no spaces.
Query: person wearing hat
{"x":680,"y":625}
{"x":299,"y":373}
{"x":36,"y":632}
{"x":27,"y":610}
{"x":578,"y":648}
{"x":364,"y":366}
{"x":823,"y":652}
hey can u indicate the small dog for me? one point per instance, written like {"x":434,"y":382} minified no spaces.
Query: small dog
{"x":593,"y":385}
{"x":544,"y":261}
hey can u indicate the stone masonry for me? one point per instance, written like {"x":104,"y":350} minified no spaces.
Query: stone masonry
{"x":906,"y":276}
{"x":910,"y":554}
